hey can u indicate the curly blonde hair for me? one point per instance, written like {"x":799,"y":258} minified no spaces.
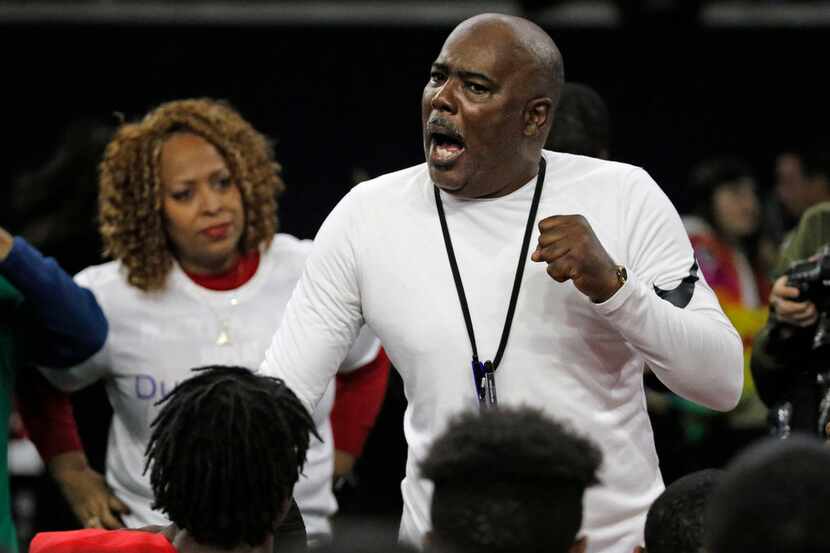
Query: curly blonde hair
{"x":130,"y":197}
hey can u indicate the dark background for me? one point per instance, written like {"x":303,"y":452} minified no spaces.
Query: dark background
{"x":337,"y":98}
{"x":341,"y":99}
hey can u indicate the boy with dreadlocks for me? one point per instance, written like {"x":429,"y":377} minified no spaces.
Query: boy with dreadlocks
{"x":226,"y":449}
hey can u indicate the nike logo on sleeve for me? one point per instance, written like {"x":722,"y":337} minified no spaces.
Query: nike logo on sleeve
{"x":682,"y":295}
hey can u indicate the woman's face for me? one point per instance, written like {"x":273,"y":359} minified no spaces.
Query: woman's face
{"x":202,"y":207}
{"x":736,"y":208}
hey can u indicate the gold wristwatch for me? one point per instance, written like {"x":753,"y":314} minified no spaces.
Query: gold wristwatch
{"x":622,"y":275}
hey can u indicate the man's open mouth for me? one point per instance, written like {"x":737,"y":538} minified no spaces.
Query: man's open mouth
{"x":445,"y":147}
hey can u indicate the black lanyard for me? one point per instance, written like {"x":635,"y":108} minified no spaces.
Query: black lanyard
{"x":483,"y":376}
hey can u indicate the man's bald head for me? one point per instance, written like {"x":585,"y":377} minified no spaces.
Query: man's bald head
{"x":526,"y":38}
{"x":488,"y":105}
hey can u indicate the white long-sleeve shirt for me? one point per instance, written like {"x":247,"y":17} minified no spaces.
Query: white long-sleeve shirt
{"x":380,"y":258}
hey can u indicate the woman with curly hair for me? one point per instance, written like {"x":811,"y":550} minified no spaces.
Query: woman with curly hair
{"x":188,"y":202}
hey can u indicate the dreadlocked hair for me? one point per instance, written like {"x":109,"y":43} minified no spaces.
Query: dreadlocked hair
{"x":225,"y":452}
{"x":130,"y":199}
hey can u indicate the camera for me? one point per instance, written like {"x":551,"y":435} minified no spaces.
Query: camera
{"x":812,"y":278}
{"x":812,"y":380}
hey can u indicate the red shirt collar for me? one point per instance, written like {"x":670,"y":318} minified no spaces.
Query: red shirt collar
{"x":242,"y":271}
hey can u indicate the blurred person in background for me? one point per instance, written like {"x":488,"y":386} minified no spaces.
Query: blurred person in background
{"x":793,"y":193}
{"x":33,"y":330}
{"x":789,"y":188}
{"x":225,"y":451}
{"x":724,"y":230}
{"x":772,"y":499}
{"x":789,"y":362}
{"x":582,"y":124}
{"x":725,"y":233}
{"x":675,"y":521}
{"x":796,"y":187}
{"x":188,"y":211}
{"x":54,"y":207}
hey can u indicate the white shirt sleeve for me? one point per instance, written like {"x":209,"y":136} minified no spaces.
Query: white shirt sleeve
{"x":693,"y":348}
{"x":324,"y":315}
{"x":364,"y":350}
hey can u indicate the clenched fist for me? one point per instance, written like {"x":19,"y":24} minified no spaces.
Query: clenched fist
{"x":568,"y":245}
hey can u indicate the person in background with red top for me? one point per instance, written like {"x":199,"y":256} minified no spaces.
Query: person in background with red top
{"x":33,"y":329}
{"x":216,"y":501}
{"x":188,"y":211}
{"x":725,"y":234}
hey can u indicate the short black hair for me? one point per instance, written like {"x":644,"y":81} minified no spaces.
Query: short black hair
{"x":225,"y":452}
{"x":508,"y":480}
{"x":774,"y":497}
{"x":674,"y":523}
{"x":581,"y":124}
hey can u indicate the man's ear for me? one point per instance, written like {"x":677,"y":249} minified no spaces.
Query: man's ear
{"x":639,"y":549}
{"x":538,"y":114}
{"x":579,"y":546}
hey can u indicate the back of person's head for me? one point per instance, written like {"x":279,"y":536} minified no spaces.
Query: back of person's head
{"x":581,"y":124}
{"x":675,"y":520}
{"x":508,"y":480}
{"x":773,"y":498}
{"x":225,"y":451}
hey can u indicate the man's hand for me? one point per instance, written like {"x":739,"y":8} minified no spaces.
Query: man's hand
{"x":797,"y":313}
{"x":572,"y":251}
{"x":86,"y":491}
{"x":6,"y":242}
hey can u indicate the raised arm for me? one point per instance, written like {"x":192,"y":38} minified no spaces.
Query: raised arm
{"x":660,"y":304}
{"x":667,"y":311}
{"x":324,"y":315}
{"x":70,"y":324}
{"x":62,"y":326}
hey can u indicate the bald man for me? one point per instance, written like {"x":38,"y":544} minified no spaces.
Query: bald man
{"x":427,"y":257}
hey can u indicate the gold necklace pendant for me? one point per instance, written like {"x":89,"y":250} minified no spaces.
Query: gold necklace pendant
{"x":224,"y":337}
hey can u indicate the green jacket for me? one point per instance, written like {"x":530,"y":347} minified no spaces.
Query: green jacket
{"x":10,"y":300}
